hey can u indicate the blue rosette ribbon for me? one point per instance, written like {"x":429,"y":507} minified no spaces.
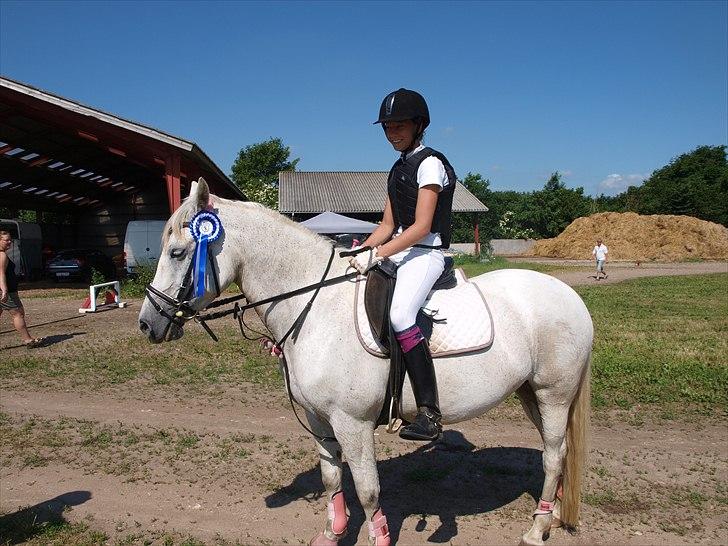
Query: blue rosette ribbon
{"x":205,"y":227}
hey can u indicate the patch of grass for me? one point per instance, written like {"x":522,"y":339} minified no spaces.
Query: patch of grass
{"x":693,"y":498}
{"x":600,"y":471}
{"x":28,"y":527}
{"x":474,"y":266}
{"x":660,"y":341}
{"x":99,"y":447}
{"x":195,"y":363}
{"x":600,"y":499}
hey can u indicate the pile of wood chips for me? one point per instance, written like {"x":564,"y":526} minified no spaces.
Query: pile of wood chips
{"x":634,"y":237}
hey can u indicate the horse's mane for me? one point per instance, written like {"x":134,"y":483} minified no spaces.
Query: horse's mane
{"x":188,"y":208}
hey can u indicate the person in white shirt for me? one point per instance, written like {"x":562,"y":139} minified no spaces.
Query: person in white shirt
{"x":600,"y":254}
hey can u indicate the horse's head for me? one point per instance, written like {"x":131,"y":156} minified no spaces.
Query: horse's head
{"x":172,"y":298}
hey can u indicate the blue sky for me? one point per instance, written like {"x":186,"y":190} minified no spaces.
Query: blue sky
{"x":604,"y":92}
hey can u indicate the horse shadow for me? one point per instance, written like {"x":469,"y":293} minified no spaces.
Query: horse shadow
{"x":444,"y":479}
{"x":23,"y":525}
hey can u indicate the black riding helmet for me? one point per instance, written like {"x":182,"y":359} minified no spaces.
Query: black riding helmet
{"x":404,"y":104}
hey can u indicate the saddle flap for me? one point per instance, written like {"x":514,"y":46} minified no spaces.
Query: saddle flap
{"x":377,"y":299}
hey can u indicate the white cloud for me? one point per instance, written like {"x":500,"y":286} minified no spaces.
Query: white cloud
{"x":617,"y":183}
{"x":449,"y":130}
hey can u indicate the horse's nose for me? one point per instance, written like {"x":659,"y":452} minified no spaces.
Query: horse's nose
{"x":144,"y":327}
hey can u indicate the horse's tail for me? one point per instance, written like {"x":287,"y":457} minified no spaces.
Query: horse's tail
{"x":577,"y":434}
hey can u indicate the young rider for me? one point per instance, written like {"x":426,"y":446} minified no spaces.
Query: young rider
{"x":415,"y":227}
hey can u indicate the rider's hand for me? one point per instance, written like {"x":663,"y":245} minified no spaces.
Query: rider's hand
{"x":364,"y":261}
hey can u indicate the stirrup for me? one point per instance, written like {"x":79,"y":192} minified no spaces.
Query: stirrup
{"x":394,"y":423}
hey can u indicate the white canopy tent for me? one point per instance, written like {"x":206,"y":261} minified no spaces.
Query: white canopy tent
{"x":330,"y":223}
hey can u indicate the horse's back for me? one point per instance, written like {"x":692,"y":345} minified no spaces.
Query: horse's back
{"x":535,"y":296}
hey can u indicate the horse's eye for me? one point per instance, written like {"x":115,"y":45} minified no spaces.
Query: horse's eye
{"x":178,"y":253}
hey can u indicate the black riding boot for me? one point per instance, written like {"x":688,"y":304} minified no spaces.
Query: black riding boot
{"x":426,"y":426}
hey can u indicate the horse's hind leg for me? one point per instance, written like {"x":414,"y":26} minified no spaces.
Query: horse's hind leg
{"x":554,"y":418}
{"x":331,"y":471}
{"x":530,"y":406}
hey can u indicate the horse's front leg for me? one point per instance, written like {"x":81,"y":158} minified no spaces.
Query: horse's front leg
{"x":357,"y":441}
{"x":337,"y":517}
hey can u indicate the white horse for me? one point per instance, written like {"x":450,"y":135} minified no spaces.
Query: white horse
{"x":541,"y":351}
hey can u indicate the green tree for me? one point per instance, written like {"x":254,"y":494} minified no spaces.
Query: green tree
{"x":548,"y":211}
{"x":462,"y":223}
{"x":693,"y":184}
{"x":255,"y":171}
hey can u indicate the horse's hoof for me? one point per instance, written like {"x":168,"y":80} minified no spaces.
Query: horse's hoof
{"x":527,"y":541}
{"x":322,"y":540}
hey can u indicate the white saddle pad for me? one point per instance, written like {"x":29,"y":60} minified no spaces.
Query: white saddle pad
{"x":467,"y":323}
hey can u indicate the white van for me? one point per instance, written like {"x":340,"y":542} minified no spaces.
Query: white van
{"x":26,"y":252}
{"x":142,"y":243}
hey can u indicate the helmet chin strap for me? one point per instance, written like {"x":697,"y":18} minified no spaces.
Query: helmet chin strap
{"x":416,"y":140}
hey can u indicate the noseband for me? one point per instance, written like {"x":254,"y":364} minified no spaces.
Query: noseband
{"x":182,"y":310}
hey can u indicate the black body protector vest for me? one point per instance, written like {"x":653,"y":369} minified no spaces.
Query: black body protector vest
{"x":402,"y":189}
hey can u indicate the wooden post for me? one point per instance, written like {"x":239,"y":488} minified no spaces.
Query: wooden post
{"x":476,"y":234}
{"x":172,"y":176}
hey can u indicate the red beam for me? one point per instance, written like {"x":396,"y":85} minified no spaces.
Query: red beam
{"x":116,"y":151}
{"x":38,"y":161}
{"x":172,"y":176}
{"x":477,"y":237}
{"x":88,"y":136}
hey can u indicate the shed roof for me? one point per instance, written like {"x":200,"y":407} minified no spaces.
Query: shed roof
{"x":305,"y":192}
{"x":56,"y":152}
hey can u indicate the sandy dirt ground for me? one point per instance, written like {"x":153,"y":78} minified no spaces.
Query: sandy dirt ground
{"x":143,"y":463}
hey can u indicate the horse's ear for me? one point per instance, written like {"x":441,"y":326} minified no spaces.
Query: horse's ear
{"x":200,"y":194}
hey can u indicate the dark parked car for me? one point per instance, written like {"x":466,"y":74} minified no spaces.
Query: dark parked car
{"x":78,"y":264}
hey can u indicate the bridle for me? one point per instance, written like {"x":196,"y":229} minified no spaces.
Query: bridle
{"x":182,"y":310}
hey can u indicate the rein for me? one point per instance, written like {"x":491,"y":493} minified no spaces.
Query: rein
{"x":184,"y":312}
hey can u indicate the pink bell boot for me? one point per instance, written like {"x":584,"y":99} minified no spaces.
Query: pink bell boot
{"x":379,"y":530}
{"x":336,"y":524}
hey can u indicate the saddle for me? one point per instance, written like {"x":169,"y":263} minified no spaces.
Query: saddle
{"x":378,"y":298}
{"x":455,"y":319}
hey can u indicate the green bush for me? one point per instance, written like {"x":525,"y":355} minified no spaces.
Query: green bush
{"x":143,"y":275}
{"x":97,"y":277}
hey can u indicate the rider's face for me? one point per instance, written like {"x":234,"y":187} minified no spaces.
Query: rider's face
{"x":400,"y":134}
{"x":5,"y":243}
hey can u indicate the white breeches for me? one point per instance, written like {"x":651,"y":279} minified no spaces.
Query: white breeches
{"x":417,"y":271}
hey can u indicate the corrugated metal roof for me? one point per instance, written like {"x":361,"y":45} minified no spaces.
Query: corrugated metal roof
{"x":304,"y":192}
{"x":187,"y":148}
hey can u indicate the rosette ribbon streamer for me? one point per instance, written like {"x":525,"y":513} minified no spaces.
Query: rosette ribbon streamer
{"x":205,"y":227}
